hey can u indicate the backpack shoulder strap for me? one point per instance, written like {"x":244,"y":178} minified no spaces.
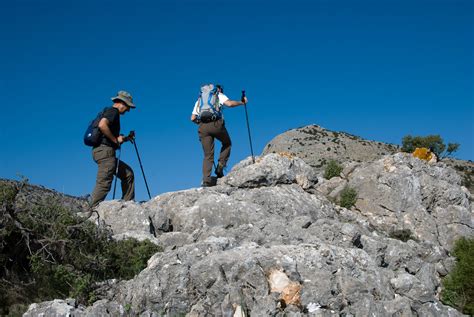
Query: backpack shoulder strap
{"x":215,"y":94}
{"x":99,"y":116}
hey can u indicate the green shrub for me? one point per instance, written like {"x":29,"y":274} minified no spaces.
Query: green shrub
{"x":88,"y":255}
{"x":129,"y":257}
{"x":348,"y":197}
{"x":433,"y":142}
{"x":402,"y":235}
{"x":48,"y":252}
{"x":7,"y":194}
{"x":332,"y":169}
{"x":459,"y":284}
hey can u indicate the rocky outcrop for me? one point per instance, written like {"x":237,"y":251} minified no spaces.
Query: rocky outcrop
{"x":317,"y":146}
{"x":268,"y":240}
{"x":465,"y":169}
{"x":402,"y":193}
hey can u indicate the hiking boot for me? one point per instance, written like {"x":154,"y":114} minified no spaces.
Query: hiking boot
{"x":219,"y":171}
{"x":209,"y":183}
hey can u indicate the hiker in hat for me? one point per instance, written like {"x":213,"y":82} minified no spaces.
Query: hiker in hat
{"x":104,"y":153}
{"x":208,"y":114}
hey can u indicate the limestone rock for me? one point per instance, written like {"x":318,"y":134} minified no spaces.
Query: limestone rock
{"x":260,"y":243}
{"x":55,"y":308}
{"x":401,"y":192}
{"x":271,"y":170}
{"x":317,"y":146}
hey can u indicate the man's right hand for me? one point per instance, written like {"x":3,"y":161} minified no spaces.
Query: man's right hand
{"x":121,"y":139}
{"x":195,"y":119}
{"x":129,"y":137}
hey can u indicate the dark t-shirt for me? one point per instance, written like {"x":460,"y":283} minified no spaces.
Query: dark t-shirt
{"x":112,"y":114}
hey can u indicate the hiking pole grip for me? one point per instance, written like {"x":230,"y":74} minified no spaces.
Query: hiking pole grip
{"x":248,"y":125}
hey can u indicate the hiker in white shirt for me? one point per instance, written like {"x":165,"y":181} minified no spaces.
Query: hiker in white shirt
{"x":207,"y":113}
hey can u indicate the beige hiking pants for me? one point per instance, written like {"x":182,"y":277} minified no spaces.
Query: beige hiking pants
{"x":104,"y":156}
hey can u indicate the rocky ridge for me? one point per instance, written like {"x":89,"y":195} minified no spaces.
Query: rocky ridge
{"x":317,"y":146}
{"x":269,"y":240}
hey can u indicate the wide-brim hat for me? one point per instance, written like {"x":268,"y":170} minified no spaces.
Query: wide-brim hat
{"x":124,"y":96}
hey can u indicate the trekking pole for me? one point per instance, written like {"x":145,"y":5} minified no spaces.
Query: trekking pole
{"x":134,"y":142}
{"x":248,"y":126}
{"x":116,"y":170}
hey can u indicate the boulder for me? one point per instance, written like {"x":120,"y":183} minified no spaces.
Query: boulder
{"x":400,"y":192}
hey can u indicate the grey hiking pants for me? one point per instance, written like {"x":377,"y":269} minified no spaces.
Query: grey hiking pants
{"x":104,"y":156}
{"x":207,"y":132}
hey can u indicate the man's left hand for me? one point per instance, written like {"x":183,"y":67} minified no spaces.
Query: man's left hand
{"x":130,"y":136}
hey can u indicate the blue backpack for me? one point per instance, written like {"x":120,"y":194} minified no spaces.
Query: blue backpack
{"x":93,"y":136}
{"x":209,"y":108}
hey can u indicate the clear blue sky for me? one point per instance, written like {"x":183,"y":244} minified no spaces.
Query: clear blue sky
{"x":377,"y":69}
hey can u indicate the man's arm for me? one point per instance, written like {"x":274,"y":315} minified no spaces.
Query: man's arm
{"x":195,"y":115}
{"x":233,"y":103}
{"x":104,"y":128}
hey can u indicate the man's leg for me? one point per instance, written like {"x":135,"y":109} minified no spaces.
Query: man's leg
{"x":125,"y":174}
{"x":105,"y":174}
{"x":223,"y":136}
{"x":207,"y":142}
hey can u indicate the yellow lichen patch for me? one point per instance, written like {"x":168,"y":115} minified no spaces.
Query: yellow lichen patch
{"x":423,"y":154}
{"x":287,"y":155}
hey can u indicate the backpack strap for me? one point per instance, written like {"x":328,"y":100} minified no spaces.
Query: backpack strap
{"x":100,"y":115}
{"x":209,"y":101}
{"x":200,"y":103}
